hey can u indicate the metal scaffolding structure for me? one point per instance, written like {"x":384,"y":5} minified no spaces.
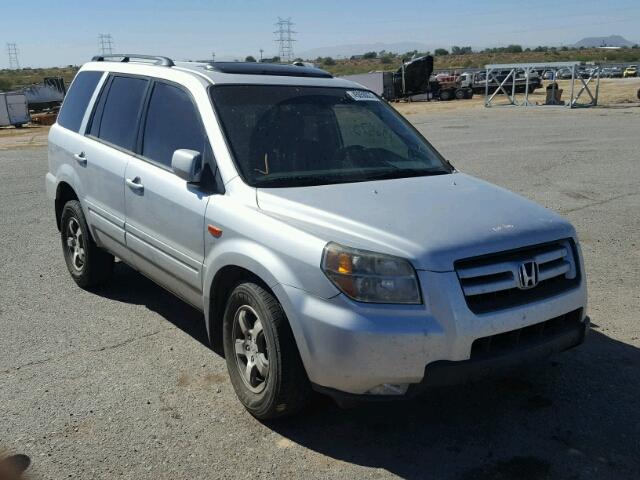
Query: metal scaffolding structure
{"x":12,"y":51}
{"x":105,"y":43}
{"x":517,"y":71}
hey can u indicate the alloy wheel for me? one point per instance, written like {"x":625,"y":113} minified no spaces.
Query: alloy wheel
{"x":250,"y":347}
{"x":75,"y":244}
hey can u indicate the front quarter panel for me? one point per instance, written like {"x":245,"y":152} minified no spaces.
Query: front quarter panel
{"x":278,"y":253}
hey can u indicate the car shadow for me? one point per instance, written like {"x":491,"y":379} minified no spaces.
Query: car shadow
{"x":130,"y":286}
{"x":574,"y":416}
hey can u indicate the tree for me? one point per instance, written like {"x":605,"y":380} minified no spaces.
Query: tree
{"x":455,"y":50}
{"x":370,"y":55}
{"x":514,"y":49}
{"x":328,"y":61}
{"x":5,"y":85}
{"x":440,"y":52}
{"x":250,"y":58}
{"x":386,"y":59}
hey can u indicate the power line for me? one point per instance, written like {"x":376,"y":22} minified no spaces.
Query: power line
{"x":12,"y":50}
{"x":105,"y":43}
{"x":284,"y":38}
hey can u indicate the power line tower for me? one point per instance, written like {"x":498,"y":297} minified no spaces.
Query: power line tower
{"x":284,"y":38}
{"x":105,"y":42}
{"x":12,"y":50}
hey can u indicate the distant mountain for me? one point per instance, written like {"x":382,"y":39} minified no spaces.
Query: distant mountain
{"x":610,"y":41}
{"x":359,"y":49}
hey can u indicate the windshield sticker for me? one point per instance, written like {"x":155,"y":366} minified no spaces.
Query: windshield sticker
{"x":362,"y":96}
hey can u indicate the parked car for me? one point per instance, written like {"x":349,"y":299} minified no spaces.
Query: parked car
{"x":630,"y":71}
{"x":616,"y":72}
{"x":565,"y":74}
{"x":328,"y":244}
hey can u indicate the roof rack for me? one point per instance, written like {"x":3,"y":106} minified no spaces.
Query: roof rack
{"x":253,"y":68}
{"x":126,"y":57}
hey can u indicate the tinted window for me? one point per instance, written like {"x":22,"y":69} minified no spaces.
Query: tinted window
{"x":172,"y":123}
{"x":285,"y":136}
{"x":119,"y":121}
{"x":77,"y":99}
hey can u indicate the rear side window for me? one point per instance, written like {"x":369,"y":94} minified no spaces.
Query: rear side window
{"x":77,"y":99}
{"x":116,"y":118}
{"x":172,"y":123}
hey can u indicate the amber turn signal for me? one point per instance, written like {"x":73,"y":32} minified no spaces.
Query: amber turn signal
{"x":215,"y":231}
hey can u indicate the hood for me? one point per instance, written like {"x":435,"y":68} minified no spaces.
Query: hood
{"x":432,"y":221}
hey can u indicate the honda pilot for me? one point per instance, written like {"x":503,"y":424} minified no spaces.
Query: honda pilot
{"x":329,"y":246}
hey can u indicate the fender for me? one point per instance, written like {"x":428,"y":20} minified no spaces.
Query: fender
{"x":271,"y":266}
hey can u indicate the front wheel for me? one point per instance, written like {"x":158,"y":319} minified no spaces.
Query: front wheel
{"x":261,"y":354}
{"x":88,"y":264}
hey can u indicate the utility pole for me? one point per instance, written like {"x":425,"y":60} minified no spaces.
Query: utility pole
{"x":105,"y":42}
{"x":261,"y":50}
{"x":284,"y":38}
{"x":12,"y":50}
{"x":213,"y":56}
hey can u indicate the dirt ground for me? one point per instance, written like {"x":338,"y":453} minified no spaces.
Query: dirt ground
{"x":613,"y":92}
{"x":27,"y":136}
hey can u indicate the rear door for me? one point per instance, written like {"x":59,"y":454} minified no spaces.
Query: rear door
{"x":109,"y":146}
{"x":67,"y":141}
{"x":164,"y":214}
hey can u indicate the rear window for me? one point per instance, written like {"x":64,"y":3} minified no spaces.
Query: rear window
{"x":77,"y":99}
{"x":116,"y":117}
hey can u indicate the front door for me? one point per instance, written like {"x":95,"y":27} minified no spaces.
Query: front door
{"x":164,"y":214}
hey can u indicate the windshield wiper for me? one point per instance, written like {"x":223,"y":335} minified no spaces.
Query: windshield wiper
{"x":404,"y":173}
{"x":296,"y":181}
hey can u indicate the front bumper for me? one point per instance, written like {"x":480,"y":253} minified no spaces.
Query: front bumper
{"x":351,"y":347}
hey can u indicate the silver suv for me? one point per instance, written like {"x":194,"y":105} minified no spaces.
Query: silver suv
{"x":328,"y":244}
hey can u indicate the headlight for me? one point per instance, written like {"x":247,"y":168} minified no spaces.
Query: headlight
{"x":370,"y":277}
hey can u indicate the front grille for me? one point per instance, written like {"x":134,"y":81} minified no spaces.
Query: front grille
{"x":490,"y":282}
{"x":496,"y":345}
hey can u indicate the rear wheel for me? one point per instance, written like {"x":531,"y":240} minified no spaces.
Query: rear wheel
{"x":445,"y":95}
{"x":460,"y":94}
{"x":261,"y":354}
{"x":89,"y":265}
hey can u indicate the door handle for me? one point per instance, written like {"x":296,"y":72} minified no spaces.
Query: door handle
{"x":80,"y":158}
{"x":135,"y":184}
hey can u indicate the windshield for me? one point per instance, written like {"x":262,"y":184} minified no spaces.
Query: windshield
{"x":284,"y":136}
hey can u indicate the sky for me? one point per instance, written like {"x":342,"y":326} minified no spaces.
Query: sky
{"x":62,"y":32}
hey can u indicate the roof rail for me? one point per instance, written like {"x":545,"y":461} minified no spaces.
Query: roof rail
{"x":126,"y":57}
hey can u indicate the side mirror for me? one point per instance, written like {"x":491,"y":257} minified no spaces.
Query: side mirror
{"x":187,"y":164}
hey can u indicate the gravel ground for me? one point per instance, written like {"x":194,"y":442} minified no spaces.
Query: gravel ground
{"x":121,"y":383}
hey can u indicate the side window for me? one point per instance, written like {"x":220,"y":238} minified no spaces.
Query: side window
{"x":359,"y":126}
{"x":77,"y":99}
{"x":172,"y":123}
{"x":116,"y":119}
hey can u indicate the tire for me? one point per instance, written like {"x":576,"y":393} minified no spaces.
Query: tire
{"x":445,"y":95}
{"x":459,"y":94}
{"x":468,"y":94}
{"x":89,"y":265}
{"x":276,"y":384}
